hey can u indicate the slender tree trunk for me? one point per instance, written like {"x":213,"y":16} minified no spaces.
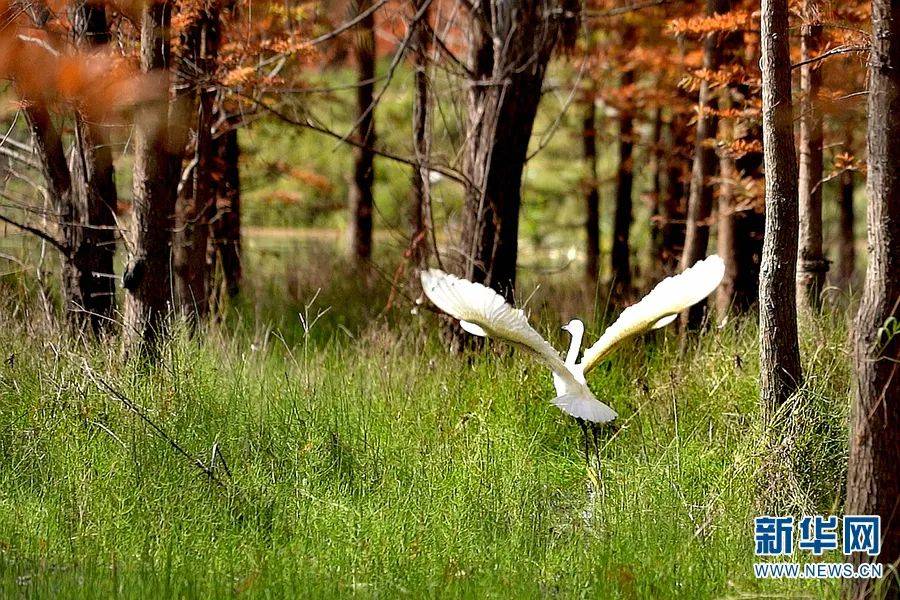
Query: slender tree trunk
{"x":148,"y":274}
{"x":362,"y":203}
{"x":704,"y":168}
{"x":421,"y":188}
{"x":52,"y":160}
{"x":654,"y":247}
{"x":811,"y":266}
{"x":673,"y":205}
{"x":847,"y":239}
{"x":198,"y":203}
{"x":93,"y":192}
{"x":621,"y":247}
{"x":226,"y":225}
{"x":873,"y":479}
{"x":780,"y":373}
{"x":591,"y":193}
{"x":502,"y":103}
{"x":83,"y":195}
{"x":726,"y":237}
{"x":739,"y":237}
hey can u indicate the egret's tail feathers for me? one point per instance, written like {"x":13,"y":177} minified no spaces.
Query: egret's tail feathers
{"x":584,"y":407}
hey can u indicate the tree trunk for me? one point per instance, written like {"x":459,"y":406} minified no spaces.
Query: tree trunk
{"x":811,"y":266}
{"x":197,"y":207}
{"x":847,"y":239}
{"x":673,"y":205}
{"x":621,"y":247}
{"x":654,"y":247}
{"x":739,"y":236}
{"x":780,"y":372}
{"x":147,"y":280}
{"x":421,"y":184}
{"x":225,"y":232}
{"x":94,"y":191}
{"x":704,"y":168}
{"x":502,"y":103}
{"x":362,"y":202}
{"x":873,"y":479}
{"x":591,"y":193}
{"x":726,"y":237}
{"x":52,"y":160}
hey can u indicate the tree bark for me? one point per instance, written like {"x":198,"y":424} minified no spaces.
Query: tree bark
{"x":510,"y":45}
{"x":148,"y":274}
{"x":873,"y":479}
{"x":704,"y":168}
{"x":225,"y":247}
{"x":780,"y":372}
{"x":726,"y":237}
{"x":739,"y":236}
{"x":847,"y":237}
{"x":94,"y":191}
{"x":421,"y":184}
{"x":621,"y":246}
{"x":591,"y":193}
{"x":654,"y":247}
{"x":362,"y":202}
{"x":197,"y":204}
{"x":52,"y":160}
{"x":673,"y":205}
{"x":811,"y":266}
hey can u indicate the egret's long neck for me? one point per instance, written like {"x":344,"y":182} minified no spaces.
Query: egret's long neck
{"x":574,"y":348}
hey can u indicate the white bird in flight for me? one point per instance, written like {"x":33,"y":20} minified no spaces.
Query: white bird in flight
{"x":483,"y":312}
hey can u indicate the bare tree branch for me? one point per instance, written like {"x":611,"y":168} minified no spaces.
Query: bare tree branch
{"x":833,"y":52}
{"x":38,"y":232}
{"x":309,"y":124}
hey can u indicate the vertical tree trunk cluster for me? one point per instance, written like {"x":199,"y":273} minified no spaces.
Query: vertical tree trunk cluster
{"x":873,"y":480}
{"x":811,"y":265}
{"x":197,"y":202}
{"x":704,"y":168}
{"x":178,"y":240}
{"x":82,"y":193}
{"x":148,"y":278}
{"x":362,"y":202}
{"x":94,"y":190}
{"x":510,"y":45}
{"x":780,"y":372}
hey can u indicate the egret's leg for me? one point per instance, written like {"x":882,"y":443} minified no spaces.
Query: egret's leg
{"x":595,"y":430}
{"x":587,"y":450}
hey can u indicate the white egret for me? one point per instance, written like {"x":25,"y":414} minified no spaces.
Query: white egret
{"x":483,"y":312}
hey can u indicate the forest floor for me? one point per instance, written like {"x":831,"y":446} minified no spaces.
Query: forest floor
{"x":348,"y":452}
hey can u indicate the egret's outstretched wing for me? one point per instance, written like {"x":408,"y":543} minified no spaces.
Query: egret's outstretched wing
{"x":658,"y":308}
{"x":482,"y":311}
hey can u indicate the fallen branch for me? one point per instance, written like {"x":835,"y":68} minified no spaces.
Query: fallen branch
{"x":209,"y":471}
{"x":38,"y":232}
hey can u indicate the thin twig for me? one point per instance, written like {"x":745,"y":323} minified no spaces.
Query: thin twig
{"x":832,"y":52}
{"x":38,"y":232}
{"x":309,"y":124}
{"x":134,"y":408}
{"x":348,"y":25}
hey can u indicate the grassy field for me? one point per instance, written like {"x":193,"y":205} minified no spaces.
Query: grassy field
{"x":348,"y":452}
{"x":355,"y":455}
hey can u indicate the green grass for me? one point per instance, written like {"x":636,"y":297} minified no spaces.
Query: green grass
{"x":366,"y":459}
